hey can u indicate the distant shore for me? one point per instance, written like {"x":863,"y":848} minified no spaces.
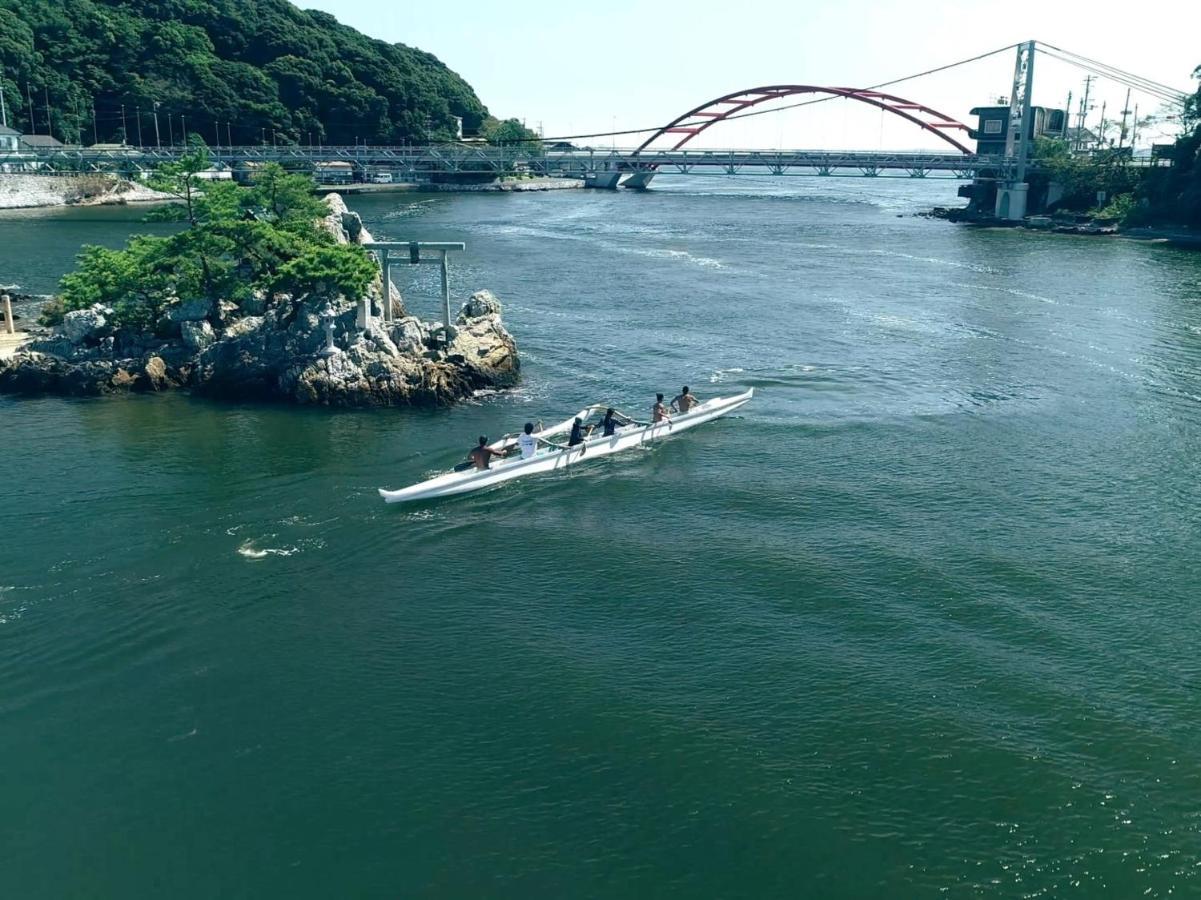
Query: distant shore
{"x":95,"y":189}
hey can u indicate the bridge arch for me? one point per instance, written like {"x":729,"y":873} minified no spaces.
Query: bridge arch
{"x":705,"y":116}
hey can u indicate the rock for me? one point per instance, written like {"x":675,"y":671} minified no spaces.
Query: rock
{"x":81,"y":324}
{"x":155,"y":371}
{"x":243,"y":327}
{"x":227,"y":311}
{"x":190,"y":310}
{"x":60,"y":347}
{"x":332,"y":223}
{"x":255,"y":304}
{"x":409,"y":334}
{"x":197,"y":336}
{"x":479,"y":305}
{"x":487,"y":351}
{"x":352,"y":225}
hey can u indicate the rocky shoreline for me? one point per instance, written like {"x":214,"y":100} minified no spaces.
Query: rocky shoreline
{"x":47,"y":191}
{"x":1069,"y":223}
{"x":319,"y":349}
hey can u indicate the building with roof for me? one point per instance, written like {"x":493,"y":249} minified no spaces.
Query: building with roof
{"x":10,"y":139}
{"x":992,"y":127}
{"x":40,"y":142}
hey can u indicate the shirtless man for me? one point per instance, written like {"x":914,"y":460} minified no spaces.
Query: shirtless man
{"x":684,"y":400}
{"x":659,"y":412}
{"x":482,"y":455}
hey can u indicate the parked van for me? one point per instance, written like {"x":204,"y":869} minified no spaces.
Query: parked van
{"x":381,"y":178}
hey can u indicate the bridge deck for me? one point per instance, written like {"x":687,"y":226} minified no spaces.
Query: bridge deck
{"x":440,"y":159}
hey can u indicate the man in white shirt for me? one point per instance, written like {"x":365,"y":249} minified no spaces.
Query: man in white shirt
{"x":528,"y":441}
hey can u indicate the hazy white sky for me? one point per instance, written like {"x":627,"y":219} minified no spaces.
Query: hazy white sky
{"x":586,"y":67}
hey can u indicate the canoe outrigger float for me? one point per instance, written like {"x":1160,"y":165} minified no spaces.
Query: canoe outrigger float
{"x":556,"y":457}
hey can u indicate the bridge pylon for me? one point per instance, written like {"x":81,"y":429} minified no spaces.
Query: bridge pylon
{"x":1012,"y":192}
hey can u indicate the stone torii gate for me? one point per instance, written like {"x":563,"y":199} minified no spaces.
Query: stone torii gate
{"x":412,"y":255}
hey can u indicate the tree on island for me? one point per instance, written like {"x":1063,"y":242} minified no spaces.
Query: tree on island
{"x":237,"y":243}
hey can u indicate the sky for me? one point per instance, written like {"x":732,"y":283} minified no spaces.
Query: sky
{"x":573,"y":69}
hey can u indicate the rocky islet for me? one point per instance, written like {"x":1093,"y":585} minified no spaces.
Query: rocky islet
{"x":321,"y":348}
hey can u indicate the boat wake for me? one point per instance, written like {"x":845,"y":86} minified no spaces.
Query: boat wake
{"x":248,"y":550}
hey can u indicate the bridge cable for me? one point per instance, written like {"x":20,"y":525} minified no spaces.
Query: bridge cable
{"x":1113,"y":72}
{"x":763,"y":112}
{"x":1171,"y":98}
{"x":1141,"y":85}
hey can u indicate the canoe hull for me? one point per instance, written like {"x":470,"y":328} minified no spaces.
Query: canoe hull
{"x":626,"y":438}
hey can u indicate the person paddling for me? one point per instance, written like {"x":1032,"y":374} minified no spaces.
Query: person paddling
{"x":612,"y":420}
{"x":684,"y":400}
{"x":659,"y":412}
{"x":578,"y":434}
{"x":482,"y":454}
{"x":529,"y":442}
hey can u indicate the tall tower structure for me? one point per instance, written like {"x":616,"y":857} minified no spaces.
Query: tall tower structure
{"x":1011,"y":194}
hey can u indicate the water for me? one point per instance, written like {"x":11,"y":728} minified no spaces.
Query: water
{"x":919,"y":621}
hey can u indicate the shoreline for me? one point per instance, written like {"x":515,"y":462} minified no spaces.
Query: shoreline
{"x":22,"y":191}
{"x":1176,"y":236}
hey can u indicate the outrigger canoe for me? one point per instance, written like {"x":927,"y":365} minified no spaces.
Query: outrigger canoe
{"x":555,"y":458}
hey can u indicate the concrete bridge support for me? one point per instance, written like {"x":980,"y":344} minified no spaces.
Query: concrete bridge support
{"x":1011,"y":200}
{"x":639,"y":181}
{"x":606,"y":181}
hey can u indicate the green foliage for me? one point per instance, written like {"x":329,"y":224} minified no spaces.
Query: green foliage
{"x":509,"y":132}
{"x":260,"y":65}
{"x":238,"y":241}
{"x":1173,"y":194}
{"x":1082,"y":178}
{"x":1120,"y":208}
{"x":135,"y":282}
{"x":344,"y":268}
{"x":285,"y":197}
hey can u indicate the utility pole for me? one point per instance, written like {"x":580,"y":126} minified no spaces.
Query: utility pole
{"x":1088,"y":83}
{"x":1125,"y":113}
{"x":3,"y":111}
{"x":139,"y":111}
{"x":1067,"y":114}
{"x":229,"y":138}
{"x":171,"y":129}
{"x":95,"y":139}
{"x":1101,"y":127}
{"x":183,"y":131}
{"x":46,"y":96}
{"x":33,"y":126}
{"x":1134,"y":130}
{"x":217,"y":132}
{"x":158,"y":140}
{"x":124,"y":127}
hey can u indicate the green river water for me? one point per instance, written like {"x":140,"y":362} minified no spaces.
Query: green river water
{"x":920,"y":621}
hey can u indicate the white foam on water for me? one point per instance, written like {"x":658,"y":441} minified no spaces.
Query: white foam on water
{"x":719,"y":375}
{"x":249,"y":551}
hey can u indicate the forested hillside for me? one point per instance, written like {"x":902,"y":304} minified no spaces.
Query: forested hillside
{"x":256,"y":66}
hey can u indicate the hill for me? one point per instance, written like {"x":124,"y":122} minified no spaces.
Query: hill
{"x":233,"y":69}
